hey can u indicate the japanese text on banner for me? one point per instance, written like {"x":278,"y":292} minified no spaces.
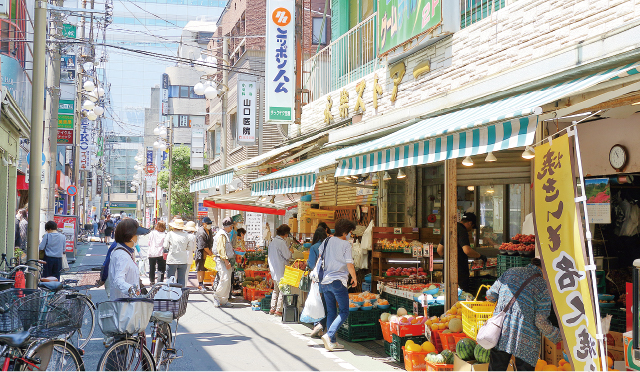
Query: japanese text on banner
{"x":561,"y":246}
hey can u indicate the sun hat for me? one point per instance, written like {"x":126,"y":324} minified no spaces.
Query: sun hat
{"x":177,"y":224}
{"x":227,"y":222}
{"x":190,"y":226}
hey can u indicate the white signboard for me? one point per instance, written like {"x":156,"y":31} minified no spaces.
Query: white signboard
{"x":246,"y":113}
{"x":85,"y":137}
{"x":254,"y":226}
{"x":280,"y":61}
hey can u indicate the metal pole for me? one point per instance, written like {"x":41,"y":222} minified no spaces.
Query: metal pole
{"x":37,"y":127}
{"x":261,"y":91}
{"x":78,"y":110}
{"x":170,"y":170}
{"x":225,"y":85}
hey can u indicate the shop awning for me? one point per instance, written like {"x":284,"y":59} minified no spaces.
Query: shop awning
{"x":244,"y":208}
{"x":225,"y":176}
{"x":500,"y":125}
{"x":218,"y":179}
{"x":298,"y":178}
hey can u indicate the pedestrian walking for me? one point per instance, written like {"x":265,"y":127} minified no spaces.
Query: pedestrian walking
{"x":279,"y":255}
{"x":101,"y":229}
{"x":177,"y":246}
{"x":23,"y":226}
{"x":336,"y":260}
{"x":53,"y":246}
{"x":204,"y":244}
{"x":108,"y":229}
{"x":17,"y":240}
{"x":222,"y":248}
{"x":190,"y":228}
{"x":94,"y":224}
{"x":156,"y":252}
{"x":123,"y":274}
{"x":318,"y":238}
{"x":525,"y":318}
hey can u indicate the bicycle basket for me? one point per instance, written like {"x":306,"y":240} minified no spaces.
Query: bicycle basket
{"x":124,"y":316}
{"x":50,"y":315}
{"x":177,"y":307}
{"x":9,"y":320}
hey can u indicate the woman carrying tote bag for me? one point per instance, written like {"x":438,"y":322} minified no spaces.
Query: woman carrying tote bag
{"x":524,"y":317}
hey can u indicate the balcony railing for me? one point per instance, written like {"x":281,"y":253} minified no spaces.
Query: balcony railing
{"x":347,"y":59}
{"x":473,"y":11}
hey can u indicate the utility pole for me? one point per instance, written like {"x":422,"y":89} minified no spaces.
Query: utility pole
{"x":225,"y":87}
{"x":37,"y":127}
{"x":78,"y":119}
{"x":299,"y":37}
{"x":170,"y":170}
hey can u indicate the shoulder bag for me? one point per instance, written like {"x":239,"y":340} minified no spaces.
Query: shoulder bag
{"x":318,"y":271}
{"x":489,"y":333}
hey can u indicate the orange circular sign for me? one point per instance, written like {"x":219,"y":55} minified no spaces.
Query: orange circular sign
{"x":151,"y":169}
{"x":281,"y":17}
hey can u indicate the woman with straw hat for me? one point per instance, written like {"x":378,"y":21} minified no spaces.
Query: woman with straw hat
{"x":178,"y":246}
{"x":191,"y":228}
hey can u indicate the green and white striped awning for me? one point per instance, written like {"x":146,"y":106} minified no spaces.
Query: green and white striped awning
{"x":300,"y":177}
{"x":500,"y":125}
{"x":212,"y":181}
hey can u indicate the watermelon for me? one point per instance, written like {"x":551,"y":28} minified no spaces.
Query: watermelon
{"x":439,"y":359}
{"x":465,"y":349}
{"x":448,"y":356}
{"x":481,"y":354}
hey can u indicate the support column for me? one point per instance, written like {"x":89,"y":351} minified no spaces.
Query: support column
{"x":451,"y":233}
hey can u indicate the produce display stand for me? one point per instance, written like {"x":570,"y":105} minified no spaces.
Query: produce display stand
{"x":380,"y":259}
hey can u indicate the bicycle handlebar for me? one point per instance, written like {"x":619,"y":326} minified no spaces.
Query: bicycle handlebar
{"x":41,"y":262}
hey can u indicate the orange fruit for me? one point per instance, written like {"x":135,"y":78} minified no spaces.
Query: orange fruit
{"x":550,"y":367}
{"x":435,"y":327}
{"x":540,"y":365}
{"x":610,"y":362}
{"x":454,"y":311}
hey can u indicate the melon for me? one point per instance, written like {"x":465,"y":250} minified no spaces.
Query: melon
{"x":393,"y":319}
{"x":439,"y":359}
{"x":481,"y":354}
{"x":448,"y":356}
{"x":401,"y":311}
{"x":455,"y":325}
{"x":385,"y":317}
{"x":465,"y":349}
{"x":446,"y":331}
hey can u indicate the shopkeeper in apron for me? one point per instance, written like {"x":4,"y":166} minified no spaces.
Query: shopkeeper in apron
{"x":466,"y":224}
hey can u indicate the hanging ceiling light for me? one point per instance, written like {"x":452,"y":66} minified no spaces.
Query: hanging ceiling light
{"x":91,"y":115}
{"x":273,"y":200}
{"x":374,"y":178}
{"x":88,"y":105}
{"x":156,"y":131}
{"x":325,"y":179}
{"x":98,"y":110}
{"x":199,"y":89}
{"x":471,"y":188}
{"x":467,"y":162}
{"x":401,"y":174}
{"x":491,"y":190}
{"x":386,"y":176}
{"x":210,"y":92}
{"x":490,"y":157}
{"x":529,"y":153}
{"x":89,"y":86}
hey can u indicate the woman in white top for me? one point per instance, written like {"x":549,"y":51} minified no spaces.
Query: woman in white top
{"x":124,"y":275}
{"x":279,"y":255}
{"x":178,"y":245}
{"x":191,"y":228}
{"x":156,"y":247}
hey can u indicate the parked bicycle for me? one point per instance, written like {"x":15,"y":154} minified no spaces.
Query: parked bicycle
{"x":126,"y":319}
{"x":79,"y":281}
{"x":31,"y":322}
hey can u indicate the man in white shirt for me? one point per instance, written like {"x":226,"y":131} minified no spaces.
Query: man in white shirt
{"x":221,"y":254}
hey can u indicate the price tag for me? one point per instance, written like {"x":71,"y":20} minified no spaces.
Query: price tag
{"x":415,"y":308}
{"x":397,"y":230}
{"x":417,"y":252}
{"x":407,"y":250}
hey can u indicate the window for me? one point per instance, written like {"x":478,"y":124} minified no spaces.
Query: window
{"x":233,"y":125}
{"x":217,"y":142}
{"x":473,"y":11}
{"x":204,"y":37}
{"x":184,"y":91}
{"x":491,"y":217}
{"x":516,"y":206}
{"x":193,"y":94}
{"x":174,"y":91}
{"x":319,"y":31}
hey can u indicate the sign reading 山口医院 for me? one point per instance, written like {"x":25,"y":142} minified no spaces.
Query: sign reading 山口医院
{"x":400,"y":21}
{"x":561,"y":245}
{"x":246,"y":126}
{"x":280,"y":61}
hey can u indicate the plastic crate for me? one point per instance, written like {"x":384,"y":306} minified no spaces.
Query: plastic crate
{"x":474,"y":315}
{"x":435,"y":310}
{"x":366,"y":287}
{"x":407,"y":330}
{"x":392,"y":300}
{"x":414,"y":360}
{"x":435,"y":340}
{"x":256,"y":273}
{"x":359,"y":333}
{"x":618,"y":319}
{"x":363,"y":317}
{"x":438,"y":367}
{"x":265,"y":304}
{"x":405,"y":303}
{"x":399,"y":342}
{"x":387,"y":347}
{"x":507,"y":262}
{"x":245,"y":293}
{"x":450,"y":340}
{"x":386,"y":331}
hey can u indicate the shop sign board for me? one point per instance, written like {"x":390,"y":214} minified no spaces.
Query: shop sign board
{"x":65,"y":106}
{"x":164,"y":97}
{"x":68,"y":68}
{"x":98,"y":185}
{"x":246,"y":113}
{"x":254,"y":225}
{"x":202,"y":210}
{"x":85,"y":135}
{"x":65,"y":121}
{"x":68,"y":31}
{"x":598,"y":192}
{"x":68,"y":226}
{"x":280,"y":61}
{"x":65,"y":135}
{"x":561,"y":245}
{"x":399,"y":21}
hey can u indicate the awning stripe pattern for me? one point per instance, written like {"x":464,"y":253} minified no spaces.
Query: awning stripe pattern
{"x":505,"y":135}
{"x":466,"y":132}
{"x":287,"y":185}
{"x":213,"y":181}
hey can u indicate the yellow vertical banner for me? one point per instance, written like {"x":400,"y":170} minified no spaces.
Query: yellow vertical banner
{"x":560,"y":243}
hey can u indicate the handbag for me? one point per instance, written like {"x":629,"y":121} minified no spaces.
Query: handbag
{"x":489,"y":334}
{"x":318,"y":272}
{"x":210,"y":263}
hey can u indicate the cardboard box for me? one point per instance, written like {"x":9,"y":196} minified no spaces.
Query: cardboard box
{"x":306,"y":225}
{"x":616,"y":355}
{"x":552,"y":352}
{"x":461,"y":365}
{"x":629,"y":362}
{"x":321,"y":214}
{"x":614,"y":340}
{"x":293,"y":224}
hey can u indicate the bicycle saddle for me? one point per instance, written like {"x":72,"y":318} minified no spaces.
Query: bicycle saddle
{"x":51,"y":286}
{"x":14,"y":339}
{"x":49,"y":279}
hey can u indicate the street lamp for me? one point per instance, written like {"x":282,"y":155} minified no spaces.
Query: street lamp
{"x":156,"y":144}
{"x":98,"y":110}
{"x":91,"y":115}
{"x":210,"y":92}
{"x":199,"y":89}
{"x":163,"y":132}
{"x":156,"y":131}
{"x":88,"y":85}
{"x":88,"y":105}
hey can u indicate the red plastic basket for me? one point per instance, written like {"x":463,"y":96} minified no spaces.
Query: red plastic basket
{"x":438,"y":367}
{"x":450,"y":340}
{"x":245,"y":293}
{"x":386,"y":331}
{"x":257,"y":273}
{"x":435,"y":340}
{"x":414,"y":360}
{"x":256,"y":294}
{"x":407,"y":330}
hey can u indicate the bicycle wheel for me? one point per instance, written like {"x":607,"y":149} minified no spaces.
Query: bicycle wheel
{"x":54,"y":355}
{"x":126,"y":355}
{"x":82,"y":336}
{"x":163,"y":341}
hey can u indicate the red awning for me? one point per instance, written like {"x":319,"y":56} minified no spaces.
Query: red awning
{"x":20,"y":183}
{"x":243,"y":207}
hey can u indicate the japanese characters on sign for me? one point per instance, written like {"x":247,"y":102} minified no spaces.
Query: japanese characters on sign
{"x":280,"y":80}
{"x":400,"y":21}
{"x":65,"y":121}
{"x":149,"y":155}
{"x":65,"y":135}
{"x":246,"y":126}
{"x":254,"y":224}
{"x":561,"y":246}
{"x":164,"y":97}
{"x":85,"y":135}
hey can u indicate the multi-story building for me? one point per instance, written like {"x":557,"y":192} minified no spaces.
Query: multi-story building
{"x":120,"y":152}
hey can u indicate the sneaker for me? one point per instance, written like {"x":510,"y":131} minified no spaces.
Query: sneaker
{"x":216,"y":303}
{"x":316,"y":331}
{"x":227,"y":305}
{"x":327,"y":342}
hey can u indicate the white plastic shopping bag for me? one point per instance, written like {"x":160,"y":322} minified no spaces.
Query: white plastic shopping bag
{"x":313,"y":310}
{"x":167,"y":292}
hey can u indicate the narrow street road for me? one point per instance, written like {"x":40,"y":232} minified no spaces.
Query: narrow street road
{"x":217,"y":339}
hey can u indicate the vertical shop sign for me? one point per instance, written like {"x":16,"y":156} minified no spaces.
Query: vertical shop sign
{"x":68,"y":68}
{"x":65,"y":135}
{"x":560,"y":242}
{"x":65,"y":106}
{"x":246,"y":113}
{"x":280,"y":82}
{"x":68,"y":224}
{"x":68,"y":31}
{"x":149,"y":155}
{"x":254,"y":225}
{"x":164,"y":97}
{"x":85,"y":134}
{"x":98,"y":185}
